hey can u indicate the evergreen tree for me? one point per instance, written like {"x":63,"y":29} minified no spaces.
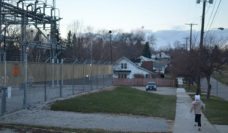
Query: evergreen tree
{"x":69,"y":40}
{"x":146,"y":50}
{"x":74,"y":40}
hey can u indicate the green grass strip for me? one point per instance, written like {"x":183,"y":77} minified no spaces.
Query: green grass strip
{"x":122,"y":100}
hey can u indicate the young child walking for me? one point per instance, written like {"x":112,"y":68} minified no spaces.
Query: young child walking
{"x":197,"y":107}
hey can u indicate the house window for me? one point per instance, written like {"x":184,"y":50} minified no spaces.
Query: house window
{"x":122,"y":76}
{"x":123,"y":65}
{"x":147,"y":76}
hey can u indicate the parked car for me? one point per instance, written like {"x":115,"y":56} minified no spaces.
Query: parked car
{"x":151,"y":86}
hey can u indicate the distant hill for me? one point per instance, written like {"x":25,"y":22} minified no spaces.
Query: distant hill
{"x":166,"y":38}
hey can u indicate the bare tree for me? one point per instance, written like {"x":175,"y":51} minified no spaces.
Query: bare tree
{"x":98,"y":44}
{"x":213,"y":59}
{"x":199,"y":62}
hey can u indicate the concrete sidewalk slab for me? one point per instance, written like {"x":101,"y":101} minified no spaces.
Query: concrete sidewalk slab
{"x":184,"y":120}
{"x":222,"y":128}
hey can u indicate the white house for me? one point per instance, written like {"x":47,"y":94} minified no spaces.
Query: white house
{"x":160,"y":56}
{"x":161,"y":62}
{"x":125,"y":68}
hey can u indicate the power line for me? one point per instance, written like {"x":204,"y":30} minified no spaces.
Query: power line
{"x":212,"y":12}
{"x":216,"y":11}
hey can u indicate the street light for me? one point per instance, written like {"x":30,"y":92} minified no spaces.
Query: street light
{"x":221,"y":28}
{"x":110,"y":32}
{"x":210,"y":1}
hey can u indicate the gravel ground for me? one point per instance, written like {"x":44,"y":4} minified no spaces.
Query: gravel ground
{"x":109,"y":122}
{"x":5,"y":130}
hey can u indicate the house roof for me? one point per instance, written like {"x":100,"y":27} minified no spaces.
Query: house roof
{"x":160,"y":64}
{"x":147,"y":65}
{"x":128,"y":60}
{"x":145,"y":58}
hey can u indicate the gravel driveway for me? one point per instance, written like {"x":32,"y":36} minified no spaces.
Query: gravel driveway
{"x":160,"y":90}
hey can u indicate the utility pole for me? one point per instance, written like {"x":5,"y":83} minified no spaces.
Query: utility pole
{"x":202,"y":24}
{"x":0,"y":28}
{"x":190,"y":40}
{"x":186,"y":43}
{"x":201,"y":44}
{"x":0,"y":17}
{"x":110,"y":32}
{"x":203,"y":20}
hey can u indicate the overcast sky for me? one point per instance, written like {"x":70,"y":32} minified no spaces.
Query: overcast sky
{"x":127,"y":15}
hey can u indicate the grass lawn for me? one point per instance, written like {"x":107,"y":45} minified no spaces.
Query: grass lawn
{"x":216,"y":110}
{"x":122,"y":100}
{"x":223,"y":77}
{"x":191,"y":88}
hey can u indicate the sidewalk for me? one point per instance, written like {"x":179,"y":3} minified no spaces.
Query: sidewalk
{"x":184,"y":121}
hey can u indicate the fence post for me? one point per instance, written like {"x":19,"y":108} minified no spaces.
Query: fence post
{"x":58,"y":75}
{"x":45,"y":82}
{"x":103,"y":81}
{"x":25,"y":76}
{"x":97,"y":78}
{"x":3,"y":106}
{"x":61,"y":76}
{"x":53,"y":73}
{"x":83,"y":78}
{"x":72,"y":80}
{"x":91,"y":80}
{"x":98,"y":81}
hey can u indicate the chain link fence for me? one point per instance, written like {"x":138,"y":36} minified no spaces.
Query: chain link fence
{"x":46,"y":82}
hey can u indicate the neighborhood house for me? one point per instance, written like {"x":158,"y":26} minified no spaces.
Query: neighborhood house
{"x":126,"y":69}
{"x":141,"y":67}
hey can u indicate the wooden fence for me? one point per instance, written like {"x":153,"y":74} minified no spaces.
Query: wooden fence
{"x":38,"y":72}
{"x":142,"y":82}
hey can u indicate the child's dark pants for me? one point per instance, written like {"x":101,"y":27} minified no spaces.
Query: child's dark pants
{"x":198,"y":119}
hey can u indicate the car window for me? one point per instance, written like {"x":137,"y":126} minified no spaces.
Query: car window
{"x":151,"y":83}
